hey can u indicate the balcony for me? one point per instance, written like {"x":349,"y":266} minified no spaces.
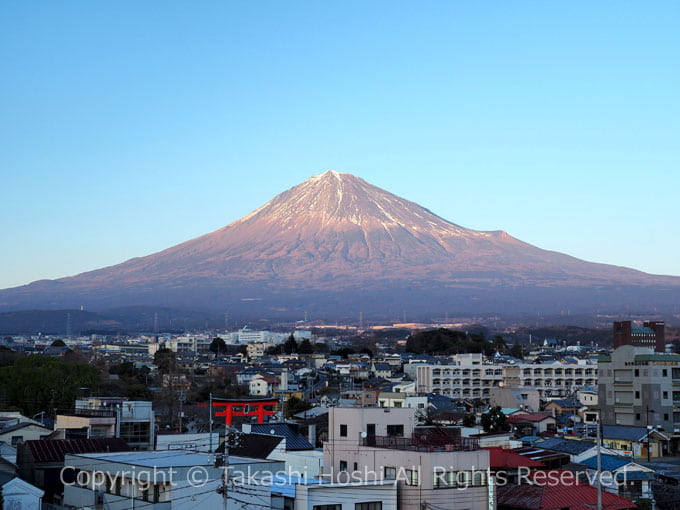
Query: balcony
{"x":88,"y":413}
{"x":418,"y":444}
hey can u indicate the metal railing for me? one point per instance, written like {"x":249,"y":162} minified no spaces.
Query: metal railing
{"x":421,"y":444}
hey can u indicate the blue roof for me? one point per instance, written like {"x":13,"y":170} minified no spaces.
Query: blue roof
{"x":608,"y":462}
{"x":529,"y":439}
{"x":294,"y":440}
{"x":623,"y":432}
{"x":570,"y":446}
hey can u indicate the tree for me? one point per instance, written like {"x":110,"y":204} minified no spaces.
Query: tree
{"x":218,"y":345}
{"x":295,"y":405}
{"x":516,"y":351}
{"x":164,"y":359}
{"x":37,"y":383}
{"x":291,"y":345}
{"x":58,"y":343}
{"x":500,"y":344}
{"x":366,"y":350}
{"x":469,"y":420}
{"x":305,"y":347}
{"x":494,"y":421}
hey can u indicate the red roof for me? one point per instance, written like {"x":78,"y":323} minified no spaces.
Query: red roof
{"x":555,"y":490}
{"x":503,"y":458}
{"x":514,"y":418}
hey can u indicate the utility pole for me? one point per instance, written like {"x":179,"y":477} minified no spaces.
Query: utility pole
{"x":210,"y":422}
{"x":599,"y":468}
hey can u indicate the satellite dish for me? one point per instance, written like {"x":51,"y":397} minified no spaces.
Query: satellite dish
{"x":272,"y":432}
{"x":363,"y":435}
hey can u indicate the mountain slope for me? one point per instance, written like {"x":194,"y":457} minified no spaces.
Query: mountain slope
{"x":335,"y":235}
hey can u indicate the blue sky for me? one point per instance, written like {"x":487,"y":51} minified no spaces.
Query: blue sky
{"x":128,"y":127}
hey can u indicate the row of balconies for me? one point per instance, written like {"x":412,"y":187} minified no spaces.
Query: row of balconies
{"x":559,"y":371}
{"x":466,"y":372}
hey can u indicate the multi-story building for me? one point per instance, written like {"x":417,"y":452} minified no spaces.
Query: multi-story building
{"x":258,"y":349}
{"x":638,"y":386}
{"x":434,"y":468}
{"x":650,"y":334}
{"x":469,"y":376}
{"x":95,"y":417}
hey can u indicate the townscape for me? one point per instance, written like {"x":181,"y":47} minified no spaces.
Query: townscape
{"x":304,"y":418}
{"x":339,"y":255}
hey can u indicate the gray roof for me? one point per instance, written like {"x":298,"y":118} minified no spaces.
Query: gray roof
{"x":294,"y":440}
{"x":570,"y":446}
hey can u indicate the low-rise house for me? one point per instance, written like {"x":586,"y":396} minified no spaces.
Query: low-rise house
{"x":383,"y":370}
{"x":532,"y":424}
{"x":20,"y":495}
{"x":17,"y":433}
{"x":635,"y":441}
{"x":576,"y":449}
{"x":41,"y":462}
{"x":306,"y":463}
{"x":628,"y":477}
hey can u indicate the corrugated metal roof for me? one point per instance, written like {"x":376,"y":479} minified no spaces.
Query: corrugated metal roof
{"x":54,"y":450}
{"x":255,"y":446}
{"x":294,"y":440}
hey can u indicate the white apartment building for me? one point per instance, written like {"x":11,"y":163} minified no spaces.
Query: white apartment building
{"x":469,"y":376}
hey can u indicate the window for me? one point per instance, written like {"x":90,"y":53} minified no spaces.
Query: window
{"x":665,"y":416}
{"x":327,"y":507}
{"x":412,"y":477}
{"x":637,"y":394}
{"x":664,"y":372}
{"x":390,"y":473}
{"x":665,"y":394}
{"x":343,"y":430}
{"x":343,"y":465}
{"x":637,"y":416}
{"x":135,"y":432}
{"x":395,"y":430}
{"x":17,"y":439}
{"x":637,"y":372}
{"x":371,"y":505}
{"x":356,"y":466}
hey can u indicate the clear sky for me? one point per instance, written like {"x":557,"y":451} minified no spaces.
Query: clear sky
{"x":128,"y":127}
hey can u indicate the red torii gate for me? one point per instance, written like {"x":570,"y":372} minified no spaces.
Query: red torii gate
{"x":259,"y":407}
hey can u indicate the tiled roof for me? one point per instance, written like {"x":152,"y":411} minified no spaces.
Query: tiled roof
{"x":545,"y":496}
{"x":535,"y":417}
{"x":608,"y":462}
{"x":570,"y":446}
{"x":623,"y":432}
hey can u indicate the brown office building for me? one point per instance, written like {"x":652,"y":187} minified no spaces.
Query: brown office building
{"x":651,"y":334}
